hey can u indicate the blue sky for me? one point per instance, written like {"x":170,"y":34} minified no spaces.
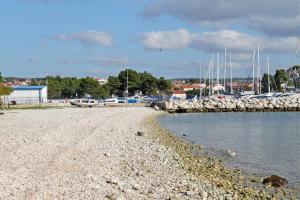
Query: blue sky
{"x":170,"y":38}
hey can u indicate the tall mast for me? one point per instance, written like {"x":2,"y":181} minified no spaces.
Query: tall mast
{"x":230,"y":63}
{"x":269,"y":88}
{"x":209,"y":78}
{"x":253,"y":73}
{"x":212,"y":74}
{"x":200,"y":91}
{"x":258,"y":71}
{"x":218,"y":68}
{"x":225,"y":66}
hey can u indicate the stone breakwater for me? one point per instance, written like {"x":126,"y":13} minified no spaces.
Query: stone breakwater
{"x":214,"y":104}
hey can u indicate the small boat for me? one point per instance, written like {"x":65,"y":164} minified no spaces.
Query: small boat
{"x":84,"y":102}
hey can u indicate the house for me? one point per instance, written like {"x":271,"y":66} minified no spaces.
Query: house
{"x":101,"y":81}
{"x":179,"y":94}
{"x":28,"y":95}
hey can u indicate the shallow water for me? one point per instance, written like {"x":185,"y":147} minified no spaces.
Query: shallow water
{"x":265,"y":143}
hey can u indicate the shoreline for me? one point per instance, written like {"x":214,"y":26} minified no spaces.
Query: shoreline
{"x":237,"y":183}
{"x":106,"y":153}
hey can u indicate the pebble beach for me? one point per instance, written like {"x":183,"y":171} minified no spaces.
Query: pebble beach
{"x":107,"y":153}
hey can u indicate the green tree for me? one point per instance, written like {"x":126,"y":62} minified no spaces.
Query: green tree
{"x":148,"y":84}
{"x":1,"y":78}
{"x":4,"y":90}
{"x":89,"y":86}
{"x":70,"y":86}
{"x":193,"y":80}
{"x":265,"y":84}
{"x":281,"y":77}
{"x":114,"y":84}
{"x":133,"y":81}
{"x":54,"y":87}
{"x":164,"y":86}
{"x":294,"y":73}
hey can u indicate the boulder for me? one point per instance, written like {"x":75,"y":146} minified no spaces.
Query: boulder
{"x":275,"y":181}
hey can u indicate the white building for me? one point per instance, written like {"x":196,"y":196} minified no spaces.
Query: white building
{"x":28,"y":94}
{"x":101,"y":81}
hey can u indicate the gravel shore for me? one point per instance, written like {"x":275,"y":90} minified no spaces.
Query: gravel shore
{"x":104,"y":153}
{"x":76,"y":153}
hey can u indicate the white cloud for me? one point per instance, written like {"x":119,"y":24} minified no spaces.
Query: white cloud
{"x":177,"y":39}
{"x":217,"y":41}
{"x":273,"y":17}
{"x":243,"y":42}
{"x":88,"y":38}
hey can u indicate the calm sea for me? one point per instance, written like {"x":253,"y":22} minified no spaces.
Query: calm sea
{"x":265,"y":143}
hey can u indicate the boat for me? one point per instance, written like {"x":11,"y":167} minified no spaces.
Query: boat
{"x":84,"y":102}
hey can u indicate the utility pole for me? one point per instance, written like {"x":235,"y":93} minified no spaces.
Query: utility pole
{"x":127,"y":91}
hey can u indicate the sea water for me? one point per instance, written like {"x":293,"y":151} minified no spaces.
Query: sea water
{"x":266,"y":143}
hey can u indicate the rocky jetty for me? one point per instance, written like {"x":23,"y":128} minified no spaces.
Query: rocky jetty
{"x":215,"y":104}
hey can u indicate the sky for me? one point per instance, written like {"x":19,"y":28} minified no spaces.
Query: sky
{"x":170,"y":38}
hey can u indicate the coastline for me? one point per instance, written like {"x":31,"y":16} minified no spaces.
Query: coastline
{"x":236,"y":183}
{"x":107,"y":153}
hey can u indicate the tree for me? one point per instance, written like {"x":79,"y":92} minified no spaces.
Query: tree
{"x":89,"y":86}
{"x":265,"y":84}
{"x":1,"y":78}
{"x":4,"y":90}
{"x":294,"y":73}
{"x":70,"y":86}
{"x":133,"y":81}
{"x":193,"y":80}
{"x":148,"y":84}
{"x":114,"y":84}
{"x":54,"y":87}
{"x":164,"y":86}
{"x":281,"y":77}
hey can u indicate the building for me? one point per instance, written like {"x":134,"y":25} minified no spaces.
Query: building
{"x":101,"y":81}
{"x":179,"y":94}
{"x":28,"y":95}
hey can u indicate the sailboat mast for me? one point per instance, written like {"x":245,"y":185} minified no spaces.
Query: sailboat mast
{"x":209,"y":78}
{"x":269,"y":88}
{"x":200,"y":91}
{"x":258,"y":71}
{"x":253,"y":73}
{"x":218,"y":67}
{"x":212,"y":74}
{"x":230,"y":63}
{"x":225,"y":66}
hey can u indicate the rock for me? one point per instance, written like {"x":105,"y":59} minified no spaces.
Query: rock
{"x":275,"y":181}
{"x":231,"y":153}
{"x":156,"y":107}
{"x":136,"y":187}
{"x":114,"y":181}
{"x":107,"y":154}
{"x":139,"y":133}
{"x":184,"y":135}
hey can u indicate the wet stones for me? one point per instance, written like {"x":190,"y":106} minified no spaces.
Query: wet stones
{"x":275,"y":181}
{"x":140,"y":133}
